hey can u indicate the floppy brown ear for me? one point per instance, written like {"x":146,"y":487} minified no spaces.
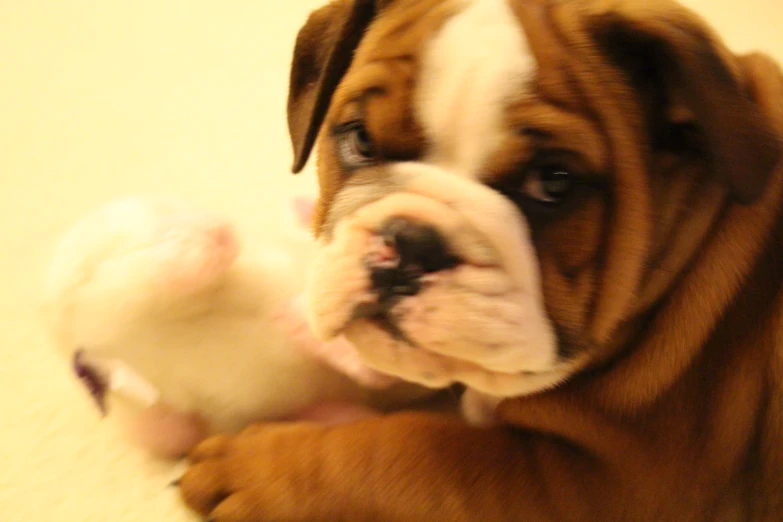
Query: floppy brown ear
{"x":661,"y":43}
{"x":323,"y":53}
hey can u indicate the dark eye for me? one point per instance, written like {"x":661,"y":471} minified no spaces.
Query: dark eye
{"x":548,"y":184}
{"x":355,"y":147}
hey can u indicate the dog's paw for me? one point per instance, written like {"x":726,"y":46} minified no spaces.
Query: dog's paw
{"x":257,"y":475}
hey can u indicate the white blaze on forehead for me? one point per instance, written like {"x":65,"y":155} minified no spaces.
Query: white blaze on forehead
{"x":469,"y":72}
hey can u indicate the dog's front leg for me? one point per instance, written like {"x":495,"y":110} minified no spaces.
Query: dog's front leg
{"x":403,"y":467}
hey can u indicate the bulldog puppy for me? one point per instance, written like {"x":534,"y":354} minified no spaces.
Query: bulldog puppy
{"x":572,"y":208}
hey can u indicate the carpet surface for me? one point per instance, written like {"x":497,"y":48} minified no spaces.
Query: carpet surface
{"x":100,"y":100}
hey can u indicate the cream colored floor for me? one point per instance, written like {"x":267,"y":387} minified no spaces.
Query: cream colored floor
{"x":102,"y":99}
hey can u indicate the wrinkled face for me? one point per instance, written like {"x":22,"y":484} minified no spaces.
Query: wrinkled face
{"x":487,"y":210}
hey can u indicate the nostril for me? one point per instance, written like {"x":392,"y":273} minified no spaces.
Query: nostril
{"x":393,"y":282}
{"x":420,"y":247}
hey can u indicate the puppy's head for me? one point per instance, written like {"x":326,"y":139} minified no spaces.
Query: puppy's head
{"x":506,"y":185}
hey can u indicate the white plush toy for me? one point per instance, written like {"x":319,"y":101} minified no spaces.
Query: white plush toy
{"x":155,"y":305}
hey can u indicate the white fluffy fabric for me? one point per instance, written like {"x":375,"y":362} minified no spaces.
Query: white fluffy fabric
{"x":101,"y":100}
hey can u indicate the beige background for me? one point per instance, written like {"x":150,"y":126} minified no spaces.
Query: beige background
{"x":100,"y":99}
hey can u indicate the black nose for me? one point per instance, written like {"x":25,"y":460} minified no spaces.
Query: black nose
{"x":419,"y":249}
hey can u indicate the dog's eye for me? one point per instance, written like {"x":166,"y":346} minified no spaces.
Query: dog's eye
{"x":548,"y":184}
{"x":355,"y":147}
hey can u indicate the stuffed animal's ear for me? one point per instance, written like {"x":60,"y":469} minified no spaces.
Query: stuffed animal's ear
{"x":664,"y":45}
{"x":323,"y":53}
{"x":304,"y":210}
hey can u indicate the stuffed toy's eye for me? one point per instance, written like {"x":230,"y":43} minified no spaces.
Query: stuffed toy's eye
{"x":355,"y":146}
{"x":548,"y":184}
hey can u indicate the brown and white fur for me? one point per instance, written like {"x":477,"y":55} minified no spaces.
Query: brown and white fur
{"x":604,"y":179}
